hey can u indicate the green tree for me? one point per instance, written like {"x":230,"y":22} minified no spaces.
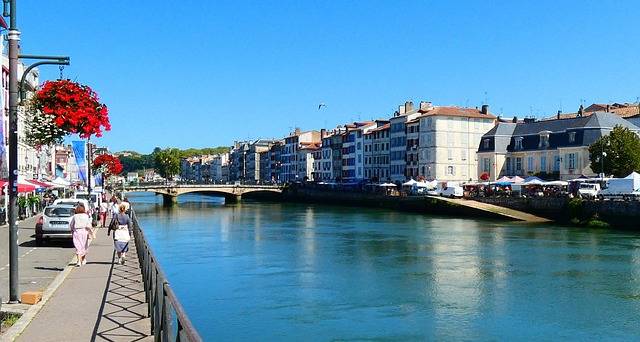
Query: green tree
{"x":167,"y":162}
{"x":621,"y":153}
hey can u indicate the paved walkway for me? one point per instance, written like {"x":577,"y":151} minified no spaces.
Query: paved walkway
{"x":100,"y":301}
{"x":502,"y":211}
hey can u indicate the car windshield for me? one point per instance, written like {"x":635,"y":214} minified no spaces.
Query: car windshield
{"x":73,"y":203}
{"x":58,"y":212}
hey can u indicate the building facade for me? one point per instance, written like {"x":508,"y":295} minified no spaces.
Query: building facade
{"x":398,"y":141}
{"x":292,"y":143}
{"x":449,"y":137}
{"x":552,"y":149}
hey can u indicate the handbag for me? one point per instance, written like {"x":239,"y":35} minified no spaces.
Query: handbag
{"x":122,"y":233}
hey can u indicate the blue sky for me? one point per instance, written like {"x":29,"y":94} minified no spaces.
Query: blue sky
{"x":205,"y":73}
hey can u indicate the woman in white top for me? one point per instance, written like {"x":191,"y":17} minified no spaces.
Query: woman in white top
{"x":80,"y":229}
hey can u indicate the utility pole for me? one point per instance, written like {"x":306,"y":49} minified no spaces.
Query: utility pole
{"x":14,"y":50}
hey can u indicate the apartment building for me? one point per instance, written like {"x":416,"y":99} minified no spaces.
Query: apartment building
{"x":305,"y":160}
{"x":353,"y":150}
{"x":557,"y":148}
{"x":449,"y":137}
{"x":289,"y":156}
{"x":398,"y":140}
{"x":413,"y":144}
{"x":376,"y":153}
{"x":253,"y":159}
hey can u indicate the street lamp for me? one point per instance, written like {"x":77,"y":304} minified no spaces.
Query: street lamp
{"x":9,"y":10}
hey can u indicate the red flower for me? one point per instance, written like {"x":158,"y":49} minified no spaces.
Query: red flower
{"x":75,"y":107}
{"x":112,"y":163}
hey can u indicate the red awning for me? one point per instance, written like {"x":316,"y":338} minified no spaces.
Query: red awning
{"x":22,"y":187}
{"x":39,"y":183}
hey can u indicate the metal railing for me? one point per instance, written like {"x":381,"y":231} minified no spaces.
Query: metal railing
{"x":169,"y":321}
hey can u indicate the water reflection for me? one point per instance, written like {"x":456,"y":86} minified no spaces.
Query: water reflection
{"x":270,"y":271}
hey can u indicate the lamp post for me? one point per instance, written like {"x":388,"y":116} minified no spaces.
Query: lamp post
{"x":9,"y":10}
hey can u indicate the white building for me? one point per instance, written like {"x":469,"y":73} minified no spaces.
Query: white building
{"x":289,"y":157}
{"x":305,"y":161}
{"x":215,"y":167}
{"x":449,"y":138}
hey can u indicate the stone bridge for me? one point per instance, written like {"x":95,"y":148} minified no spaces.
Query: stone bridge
{"x":231,"y":192}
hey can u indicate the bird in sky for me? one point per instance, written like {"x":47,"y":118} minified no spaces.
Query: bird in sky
{"x":321,"y":105}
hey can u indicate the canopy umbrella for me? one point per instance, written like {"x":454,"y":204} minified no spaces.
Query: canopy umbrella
{"x":556,"y":183}
{"x":517,"y":179}
{"x":533,"y":180}
{"x":411,"y":182}
{"x":503,"y":179}
{"x":60,"y":182}
{"x":22,"y":186}
{"x":40,"y":183}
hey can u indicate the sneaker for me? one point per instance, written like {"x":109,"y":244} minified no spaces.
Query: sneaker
{"x":78,"y":264}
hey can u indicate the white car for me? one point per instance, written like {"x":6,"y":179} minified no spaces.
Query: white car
{"x":451,"y":191}
{"x":54,"y":223}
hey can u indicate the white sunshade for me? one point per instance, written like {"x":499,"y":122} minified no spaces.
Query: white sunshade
{"x":60,"y":182}
{"x":411,"y":182}
{"x":387,"y":184}
{"x":556,"y":183}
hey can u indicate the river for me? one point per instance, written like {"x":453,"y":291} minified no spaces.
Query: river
{"x":272,"y":271}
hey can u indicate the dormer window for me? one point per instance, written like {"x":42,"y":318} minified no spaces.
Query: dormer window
{"x":485,"y":143}
{"x":544,"y":140}
{"x":572,"y":137}
{"x":518,"y":142}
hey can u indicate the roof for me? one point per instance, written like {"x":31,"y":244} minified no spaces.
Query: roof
{"x":457,"y":111}
{"x":381,"y":128}
{"x":358,"y":124}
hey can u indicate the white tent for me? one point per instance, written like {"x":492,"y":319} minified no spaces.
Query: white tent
{"x":411,"y":182}
{"x":387,"y":185}
{"x":636,"y":179}
{"x":556,"y":183}
{"x":60,"y":182}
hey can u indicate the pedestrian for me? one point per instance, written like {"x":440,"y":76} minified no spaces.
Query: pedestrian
{"x":125,"y":202}
{"x":80,"y":230}
{"x":114,"y":207}
{"x":104,"y":208}
{"x":121,"y":233}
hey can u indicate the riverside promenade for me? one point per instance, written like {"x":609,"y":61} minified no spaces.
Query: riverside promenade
{"x":100,"y":301}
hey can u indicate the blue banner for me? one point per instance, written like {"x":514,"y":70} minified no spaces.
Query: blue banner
{"x":79,"y":151}
{"x":98,"y":179}
{"x":2,"y":127}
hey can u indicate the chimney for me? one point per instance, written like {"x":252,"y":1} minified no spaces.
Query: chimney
{"x":580,"y":111}
{"x":515,"y":119}
{"x":297,"y":131}
{"x":559,"y":112}
{"x":485,"y":109}
{"x":425,"y":106}
{"x":401,"y":109}
{"x":323,"y":133}
{"x":608,"y":108}
{"x":408,"y":106}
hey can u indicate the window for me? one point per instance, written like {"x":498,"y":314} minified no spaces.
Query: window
{"x":572,"y":137}
{"x":449,"y":154}
{"x":508,"y":162}
{"x":486,"y":164}
{"x":450,"y":170}
{"x":571,"y":161}
{"x":518,"y":163}
{"x":530,"y":163}
{"x":485,"y":143}
{"x":543,"y":163}
{"x":544,"y":140}
{"x":518,"y":142}
{"x":463,"y":154}
{"x":359,"y":145}
{"x":556,"y":164}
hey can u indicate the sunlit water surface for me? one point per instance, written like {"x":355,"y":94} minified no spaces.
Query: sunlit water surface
{"x":270,"y":271}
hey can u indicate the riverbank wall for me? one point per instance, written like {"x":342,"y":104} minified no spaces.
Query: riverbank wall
{"x":617,"y":214}
{"x":416,"y":204}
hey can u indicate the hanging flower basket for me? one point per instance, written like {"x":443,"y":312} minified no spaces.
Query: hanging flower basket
{"x":108,"y":164}
{"x":65,"y":107}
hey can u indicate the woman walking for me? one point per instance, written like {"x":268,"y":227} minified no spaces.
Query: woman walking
{"x":121,"y":233}
{"x":80,"y":230}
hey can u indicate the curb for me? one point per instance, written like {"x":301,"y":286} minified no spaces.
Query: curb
{"x":16,"y":329}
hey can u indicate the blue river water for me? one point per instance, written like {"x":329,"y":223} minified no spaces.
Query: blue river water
{"x":270,"y":272}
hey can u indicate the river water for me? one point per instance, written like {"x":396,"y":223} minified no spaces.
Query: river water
{"x":270,"y":271}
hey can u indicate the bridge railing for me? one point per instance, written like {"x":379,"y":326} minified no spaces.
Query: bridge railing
{"x":169,"y":321}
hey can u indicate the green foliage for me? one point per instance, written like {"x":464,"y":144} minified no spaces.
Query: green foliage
{"x":136,"y":161}
{"x":22,"y":202}
{"x":167,"y":162}
{"x":575,"y":208}
{"x":621,"y":153}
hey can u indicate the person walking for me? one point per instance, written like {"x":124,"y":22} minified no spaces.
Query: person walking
{"x":104,"y":208}
{"x":121,"y":233}
{"x":80,"y":230}
{"x":125,"y":202}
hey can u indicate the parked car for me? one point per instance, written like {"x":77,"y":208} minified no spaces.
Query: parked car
{"x":451,"y":190}
{"x":54,"y":223}
{"x":589,"y":190}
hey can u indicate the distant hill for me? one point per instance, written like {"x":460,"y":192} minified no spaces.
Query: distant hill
{"x":134,"y":161}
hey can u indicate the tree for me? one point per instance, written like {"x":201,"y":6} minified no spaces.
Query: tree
{"x":616,"y":154}
{"x":167,"y":162}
